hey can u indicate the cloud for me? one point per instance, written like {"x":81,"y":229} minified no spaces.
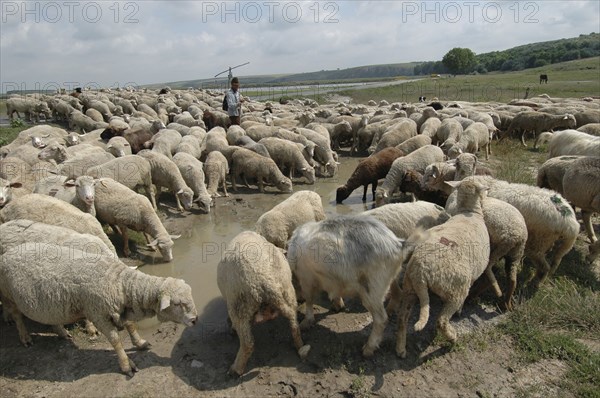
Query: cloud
{"x":158,"y":41}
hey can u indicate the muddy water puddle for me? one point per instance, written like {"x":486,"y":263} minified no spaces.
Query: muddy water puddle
{"x":204,"y":237}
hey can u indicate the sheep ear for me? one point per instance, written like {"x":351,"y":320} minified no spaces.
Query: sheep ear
{"x":109,"y":146}
{"x":165,"y":302}
{"x":175,"y":236}
{"x":153,"y":244}
{"x":453,"y":184}
{"x":302,"y":169}
{"x":70,"y":183}
{"x":180,"y":191}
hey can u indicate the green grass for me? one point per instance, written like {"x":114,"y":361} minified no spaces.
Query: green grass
{"x":567,"y":79}
{"x":8,"y":134}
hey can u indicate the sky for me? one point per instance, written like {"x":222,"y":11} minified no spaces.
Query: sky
{"x":49,"y":44}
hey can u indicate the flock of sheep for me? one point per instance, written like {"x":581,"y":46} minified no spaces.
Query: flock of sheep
{"x":58,"y":188}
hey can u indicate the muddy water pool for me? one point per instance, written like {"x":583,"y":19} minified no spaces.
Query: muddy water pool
{"x":204,"y":237}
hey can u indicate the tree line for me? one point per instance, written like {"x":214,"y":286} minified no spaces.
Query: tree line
{"x":464,"y":61}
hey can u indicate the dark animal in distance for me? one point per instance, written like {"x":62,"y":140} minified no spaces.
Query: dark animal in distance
{"x":544,"y":79}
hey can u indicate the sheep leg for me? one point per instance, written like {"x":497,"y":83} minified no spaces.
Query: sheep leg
{"x":225,"y":187}
{"x":375,"y":307}
{"x":407,"y":300}
{"x":179,"y":206}
{"x":62,"y":332}
{"x":450,"y":308}
{"x":261,"y":188}
{"x":137,"y":341}
{"x":125,"y":236}
{"x":394,"y":302}
{"x":587,"y":223}
{"x":243,"y":329}
{"x":125,"y":363}
{"x":510,"y":267}
{"x":338,"y":303}
{"x":151,"y":193}
{"x":309,"y":317}
{"x":523,"y":139}
{"x":420,"y":289}
{"x":11,"y":308}
{"x":234,"y":176}
{"x":374,"y":188}
{"x":564,"y":247}
{"x":90,"y":328}
{"x":489,"y":272}
{"x":290,"y":313}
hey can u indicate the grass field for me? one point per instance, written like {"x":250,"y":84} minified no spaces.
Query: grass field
{"x":580,"y":78}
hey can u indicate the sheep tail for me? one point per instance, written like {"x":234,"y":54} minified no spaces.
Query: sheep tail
{"x":420,"y":287}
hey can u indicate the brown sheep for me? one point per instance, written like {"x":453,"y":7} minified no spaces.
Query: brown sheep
{"x":369,"y":171}
{"x":212,"y":119}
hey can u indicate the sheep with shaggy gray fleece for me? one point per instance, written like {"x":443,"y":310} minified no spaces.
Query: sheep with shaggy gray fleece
{"x":323,"y":153}
{"x":430,"y":127}
{"x":118,"y":205}
{"x":49,"y":210}
{"x":417,"y":160}
{"x":234,"y":132}
{"x":309,"y":146}
{"x":249,"y":143}
{"x":537,"y":122}
{"x":288,"y":156}
{"x":278,"y":224}
{"x":216,"y":140}
{"x":166,"y":174}
{"x":335,"y":132}
{"x":253,"y":165}
{"x":462,"y":251}
{"x":468,"y":165}
{"x":256,"y":289}
{"x":551,"y":172}
{"x":78,"y":192}
{"x":132,"y":171}
{"x":570,"y":142}
{"x":259,"y":131}
{"x":472,"y":139}
{"x":190,"y":144}
{"x":193,"y":173}
{"x":183,"y":130}
{"x":507,"y":231}
{"x":25,"y":152}
{"x":118,"y":147}
{"x":74,"y":166}
{"x":216,"y":169}
{"x":581,"y":187}
{"x":347,"y":256}
{"x":108,"y":294}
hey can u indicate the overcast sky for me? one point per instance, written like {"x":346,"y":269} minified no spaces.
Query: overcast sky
{"x":107,"y":43}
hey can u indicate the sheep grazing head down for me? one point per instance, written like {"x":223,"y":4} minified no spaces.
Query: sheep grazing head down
{"x":165,"y":246}
{"x":176,"y":303}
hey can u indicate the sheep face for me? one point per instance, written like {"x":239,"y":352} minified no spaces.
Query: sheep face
{"x":52,"y":152}
{"x":6,"y":192}
{"x":205,"y":202}
{"x":84,"y":188}
{"x":186,"y":197}
{"x":341,"y":194}
{"x":285,"y":185}
{"x":176,"y":303}
{"x":72,"y":139}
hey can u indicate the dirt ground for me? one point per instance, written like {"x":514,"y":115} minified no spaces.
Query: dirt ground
{"x":194,"y":361}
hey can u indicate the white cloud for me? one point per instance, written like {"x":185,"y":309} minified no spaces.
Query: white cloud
{"x":185,"y":40}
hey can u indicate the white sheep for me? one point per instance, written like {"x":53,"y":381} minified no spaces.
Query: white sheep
{"x":256,"y":283}
{"x":414,"y":143}
{"x":551,"y":172}
{"x":346,"y":256}
{"x":78,"y":192}
{"x":82,"y":123}
{"x":193,"y":174}
{"x":323,"y":153}
{"x":549,"y":218}
{"x":395,"y":135}
{"x":216,"y":170}
{"x":6,"y":191}
{"x":278,"y":224}
{"x":74,"y":166}
{"x":190,"y":144}
{"x":49,"y":210}
{"x":120,"y":206}
{"x":537,"y":122}
{"x":581,"y":187}
{"x":106,"y":293}
{"x":132,"y":171}
{"x":447,"y":259}
{"x":118,"y":147}
{"x":570,"y":142}
{"x":448,"y":133}
{"x":508,"y":236}
{"x":417,"y":160}
{"x":405,"y":218}
{"x":430,"y":128}
{"x":288,"y":156}
{"x":472,"y":139}
{"x":165,"y":142}
{"x":591,"y":129}
{"x":251,"y":164}
{"x":166,"y":174}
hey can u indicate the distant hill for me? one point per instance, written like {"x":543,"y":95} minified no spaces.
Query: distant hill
{"x":359,"y":73}
{"x":527,"y":56}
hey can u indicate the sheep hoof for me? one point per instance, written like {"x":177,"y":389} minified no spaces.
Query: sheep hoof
{"x":368,"y":351}
{"x":143,"y":345}
{"x":401,"y":353}
{"x":306,"y":323}
{"x":235,"y":372}
{"x":303,"y":351}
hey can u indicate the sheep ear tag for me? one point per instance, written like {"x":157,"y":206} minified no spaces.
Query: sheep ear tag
{"x":165,"y":302}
